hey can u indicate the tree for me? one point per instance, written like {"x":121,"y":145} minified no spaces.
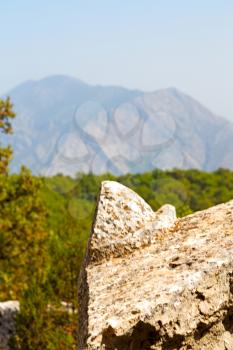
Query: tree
{"x":6,"y":115}
{"x":23,"y":241}
{"x":22,"y":216}
{"x":24,"y":255}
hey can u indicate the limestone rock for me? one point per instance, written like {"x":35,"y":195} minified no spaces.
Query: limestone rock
{"x":151,"y":281}
{"x":120,"y":221}
{"x":8,"y":311}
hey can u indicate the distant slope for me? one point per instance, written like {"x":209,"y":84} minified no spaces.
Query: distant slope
{"x":65,"y":126}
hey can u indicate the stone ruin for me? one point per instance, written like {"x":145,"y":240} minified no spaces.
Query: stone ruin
{"x":152,"y":281}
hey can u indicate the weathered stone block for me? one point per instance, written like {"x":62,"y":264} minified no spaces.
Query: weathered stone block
{"x":151,"y":281}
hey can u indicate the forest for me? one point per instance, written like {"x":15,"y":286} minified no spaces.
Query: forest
{"x":44,"y":226}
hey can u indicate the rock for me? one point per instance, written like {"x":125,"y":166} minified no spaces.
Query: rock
{"x":8,"y":311}
{"x":119,"y":226}
{"x":151,"y":281}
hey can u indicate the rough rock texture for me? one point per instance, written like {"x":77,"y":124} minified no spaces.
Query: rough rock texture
{"x":120,"y":221}
{"x":151,"y":281}
{"x":8,"y":311}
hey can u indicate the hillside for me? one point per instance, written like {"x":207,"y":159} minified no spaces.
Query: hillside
{"x":66,"y":126}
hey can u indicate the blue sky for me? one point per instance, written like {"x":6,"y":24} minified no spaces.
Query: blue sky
{"x":146,"y":44}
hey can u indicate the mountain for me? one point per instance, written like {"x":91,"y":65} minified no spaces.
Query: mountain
{"x":64,"y":125}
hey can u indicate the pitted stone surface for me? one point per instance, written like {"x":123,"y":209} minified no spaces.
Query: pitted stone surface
{"x":120,"y":212}
{"x":121,"y":219}
{"x":166,"y":285}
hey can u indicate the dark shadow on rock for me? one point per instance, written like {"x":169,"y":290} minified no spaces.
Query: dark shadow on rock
{"x":173,"y":343}
{"x":228,"y":320}
{"x":201,"y":330}
{"x":142,"y":337}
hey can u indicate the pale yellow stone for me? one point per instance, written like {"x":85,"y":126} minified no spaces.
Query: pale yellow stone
{"x":151,"y":281}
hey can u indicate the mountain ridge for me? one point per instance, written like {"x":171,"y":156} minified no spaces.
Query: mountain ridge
{"x":65,"y":125}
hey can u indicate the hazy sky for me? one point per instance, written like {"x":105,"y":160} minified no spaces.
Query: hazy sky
{"x":146,"y":44}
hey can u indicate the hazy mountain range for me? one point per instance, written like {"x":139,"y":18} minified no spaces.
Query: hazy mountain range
{"x":64,"y":125}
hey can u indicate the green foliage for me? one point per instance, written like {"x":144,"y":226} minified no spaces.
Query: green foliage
{"x":71,"y":203}
{"x":6,"y":114}
{"x":25,"y":260}
{"x":22,"y":229}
